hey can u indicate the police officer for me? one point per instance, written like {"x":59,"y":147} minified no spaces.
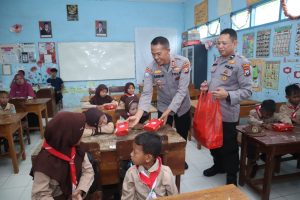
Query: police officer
{"x":171,"y":74}
{"x":230,"y":83}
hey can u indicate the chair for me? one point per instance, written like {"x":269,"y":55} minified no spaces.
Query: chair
{"x":21,"y":107}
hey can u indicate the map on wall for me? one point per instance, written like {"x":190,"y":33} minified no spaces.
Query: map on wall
{"x":248,"y":45}
{"x":263,"y":43}
{"x":281,"y":43}
{"x":201,"y":13}
{"x":257,"y":70}
{"x":271,"y":74}
{"x":297,"y":46}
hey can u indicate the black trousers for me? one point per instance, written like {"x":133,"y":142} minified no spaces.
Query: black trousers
{"x":182,"y":123}
{"x":227,"y":156}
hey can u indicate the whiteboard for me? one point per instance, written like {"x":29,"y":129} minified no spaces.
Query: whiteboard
{"x":82,"y":61}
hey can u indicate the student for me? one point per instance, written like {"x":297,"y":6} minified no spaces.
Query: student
{"x":20,"y":88}
{"x":131,"y":108}
{"x":292,"y":108}
{"x":147,"y":178}
{"x":128,"y":92}
{"x":99,"y":122}
{"x":264,"y":115}
{"x":57,"y":83}
{"x":54,"y":177}
{"x":101,"y":98}
{"x":6,"y":108}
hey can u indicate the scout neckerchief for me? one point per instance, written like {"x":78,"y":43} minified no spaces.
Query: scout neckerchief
{"x":295,"y":109}
{"x":257,"y":108}
{"x":71,"y":159}
{"x":151,"y":179}
{"x":129,"y":95}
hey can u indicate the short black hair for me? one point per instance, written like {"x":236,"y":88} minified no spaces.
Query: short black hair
{"x":151,"y":143}
{"x":231,"y":32}
{"x":22,"y":72}
{"x":53,"y":70}
{"x":3,"y":92}
{"x":292,"y":89}
{"x":269,"y":105}
{"x":161,"y":40}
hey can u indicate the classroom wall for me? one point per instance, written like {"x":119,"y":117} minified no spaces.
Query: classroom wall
{"x":122,"y":17}
{"x":284,"y":79}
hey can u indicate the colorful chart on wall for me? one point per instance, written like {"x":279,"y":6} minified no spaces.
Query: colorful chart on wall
{"x":27,"y":53}
{"x":297,"y":46}
{"x":271,"y":74}
{"x":9,"y":53}
{"x":248,"y":45}
{"x":201,"y":13}
{"x":257,"y":70}
{"x":263,"y":43}
{"x":281,"y":43}
{"x":47,"y":52}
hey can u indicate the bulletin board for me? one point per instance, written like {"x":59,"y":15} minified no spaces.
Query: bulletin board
{"x":83,"y":61}
{"x":271,"y":75}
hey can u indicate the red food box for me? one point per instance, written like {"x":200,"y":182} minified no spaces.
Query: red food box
{"x":282,"y":127}
{"x":122,"y":129}
{"x":110,"y":106}
{"x":153,"y":125}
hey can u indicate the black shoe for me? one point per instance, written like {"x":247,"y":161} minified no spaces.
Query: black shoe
{"x":186,"y":166}
{"x":212,"y":171}
{"x":231,"y":179}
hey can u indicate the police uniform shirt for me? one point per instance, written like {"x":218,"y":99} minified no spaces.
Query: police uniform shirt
{"x":234,"y":75}
{"x":172,"y":82}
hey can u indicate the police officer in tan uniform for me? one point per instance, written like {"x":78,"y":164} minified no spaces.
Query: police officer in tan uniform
{"x":171,"y":74}
{"x":230,"y":83}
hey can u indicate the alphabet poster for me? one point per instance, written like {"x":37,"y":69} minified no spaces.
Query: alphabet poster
{"x":281,"y":44}
{"x":271,"y":75}
{"x":297,"y":46}
{"x":248,"y":45}
{"x":263,"y":43}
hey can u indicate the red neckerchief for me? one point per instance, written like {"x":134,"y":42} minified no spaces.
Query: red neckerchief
{"x":71,"y":159}
{"x":129,"y":95}
{"x":257,"y":108}
{"x":149,"y":180}
{"x":295,"y":109}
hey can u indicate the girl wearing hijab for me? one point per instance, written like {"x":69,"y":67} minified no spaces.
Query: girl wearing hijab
{"x":20,"y":88}
{"x":97,"y":122}
{"x":128,"y":92}
{"x":62,"y":169}
{"x":101,"y":98}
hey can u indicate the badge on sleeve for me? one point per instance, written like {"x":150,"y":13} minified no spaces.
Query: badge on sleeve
{"x":148,"y":71}
{"x":186,"y":67}
{"x":246,"y":68}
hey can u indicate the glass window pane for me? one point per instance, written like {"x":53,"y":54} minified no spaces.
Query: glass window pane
{"x":240,"y":20}
{"x":203,"y":31}
{"x":266,"y":13}
{"x":293,"y":7}
{"x":214,"y":28}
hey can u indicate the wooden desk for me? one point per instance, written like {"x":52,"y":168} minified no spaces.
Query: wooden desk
{"x":109,"y":165}
{"x":9,"y":124}
{"x":226,"y":192}
{"x":272,"y":144}
{"x":52,"y":108}
{"x":36,"y":106}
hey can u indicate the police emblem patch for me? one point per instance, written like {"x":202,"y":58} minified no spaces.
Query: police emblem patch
{"x":246,"y":68}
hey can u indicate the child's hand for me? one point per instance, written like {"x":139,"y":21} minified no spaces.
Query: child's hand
{"x":267,"y":126}
{"x":101,"y":107}
{"x":77,"y":195}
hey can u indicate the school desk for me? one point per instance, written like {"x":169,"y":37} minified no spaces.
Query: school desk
{"x":36,"y":106}
{"x":225,"y":192}
{"x":273,"y":144}
{"x":9,"y":124}
{"x":109,"y":165}
{"x":49,"y":92}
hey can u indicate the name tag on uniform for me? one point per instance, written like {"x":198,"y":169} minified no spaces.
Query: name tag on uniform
{"x":228,"y":67}
{"x":158,"y":76}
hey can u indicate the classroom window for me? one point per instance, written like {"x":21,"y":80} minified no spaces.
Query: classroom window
{"x":214,"y":28}
{"x":240,"y":20}
{"x":267,"y":12}
{"x":203,"y":31}
{"x":293,"y":7}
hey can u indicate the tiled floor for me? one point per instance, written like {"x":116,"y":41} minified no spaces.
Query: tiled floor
{"x":18,"y":186}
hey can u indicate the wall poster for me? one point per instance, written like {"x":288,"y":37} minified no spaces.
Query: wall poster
{"x":271,"y":74}
{"x":263,"y":43}
{"x":281,"y":43}
{"x":248,"y":45}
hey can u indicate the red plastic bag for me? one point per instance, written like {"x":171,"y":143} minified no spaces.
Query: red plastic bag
{"x":207,"y":123}
{"x":153,"y":125}
{"x":122,"y":129}
{"x":282,"y":127}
